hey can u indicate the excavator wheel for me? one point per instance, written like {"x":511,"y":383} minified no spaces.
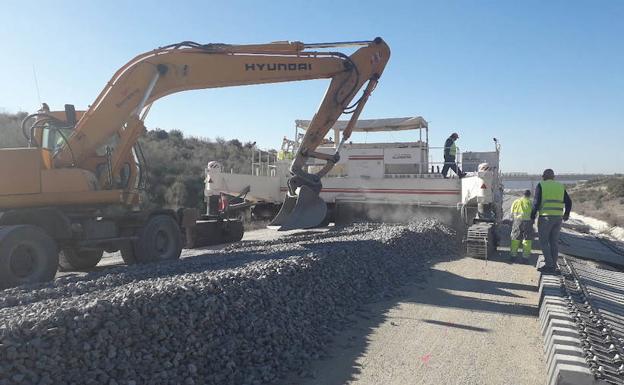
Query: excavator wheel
{"x":159,"y":240}
{"x":27,"y":255}
{"x":127,"y":248}
{"x":233,"y":232}
{"x":71,"y":259}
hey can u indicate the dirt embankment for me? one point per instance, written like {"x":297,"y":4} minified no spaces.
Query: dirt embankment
{"x":601,"y":199}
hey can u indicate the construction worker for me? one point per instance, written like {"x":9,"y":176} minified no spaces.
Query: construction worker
{"x":450,"y":153}
{"x":553,"y":203}
{"x":522,"y":227}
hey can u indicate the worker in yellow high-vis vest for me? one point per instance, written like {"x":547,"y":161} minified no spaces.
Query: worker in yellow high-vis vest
{"x":522,"y":226}
{"x":554,"y":205}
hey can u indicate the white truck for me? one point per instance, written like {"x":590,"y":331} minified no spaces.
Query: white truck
{"x":380,"y":181}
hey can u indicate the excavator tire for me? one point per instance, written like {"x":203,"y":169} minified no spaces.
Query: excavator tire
{"x":127,"y":254}
{"x":73,"y":259}
{"x":126,"y":249}
{"x":159,"y":240}
{"x":233,"y":232}
{"x":27,"y":255}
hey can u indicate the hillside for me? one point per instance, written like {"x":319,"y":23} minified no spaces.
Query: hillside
{"x":601,"y":198}
{"x":10,"y":131}
{"x":175,"y":163}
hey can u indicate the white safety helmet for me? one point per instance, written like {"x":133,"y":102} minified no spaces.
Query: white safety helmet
{"x":213,"y":165}
{"x":483,"y":167}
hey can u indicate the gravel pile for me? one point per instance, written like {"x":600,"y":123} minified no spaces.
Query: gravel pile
{"x":246,"y":316}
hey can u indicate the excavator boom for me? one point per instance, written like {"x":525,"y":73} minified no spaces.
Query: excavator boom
{"x":115,"y":119}
{"x":75,"y":192}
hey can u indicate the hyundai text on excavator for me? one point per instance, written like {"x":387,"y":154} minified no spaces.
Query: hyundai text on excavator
{"x":75,"y":191}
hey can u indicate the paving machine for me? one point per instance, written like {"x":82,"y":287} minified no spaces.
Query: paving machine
{"x":76,"y":188}
{"x":382,"y":181}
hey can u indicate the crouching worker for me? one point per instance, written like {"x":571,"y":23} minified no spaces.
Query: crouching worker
{"x":522,"y":228}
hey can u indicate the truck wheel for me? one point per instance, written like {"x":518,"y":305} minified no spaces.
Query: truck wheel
{"x":126,"y":249}
{"x":127,"y":254}
{"x":159,"y":240}
{"x":75,"y":259}
{"x":233,"y":231}
{"x":27,"y":255}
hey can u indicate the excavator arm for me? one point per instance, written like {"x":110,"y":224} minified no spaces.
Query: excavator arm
{"x":116,"y":117}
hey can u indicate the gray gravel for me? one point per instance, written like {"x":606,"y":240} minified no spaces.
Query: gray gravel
{"x":245,"y":316}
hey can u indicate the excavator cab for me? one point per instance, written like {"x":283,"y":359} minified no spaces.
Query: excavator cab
{"x":53,"y":138}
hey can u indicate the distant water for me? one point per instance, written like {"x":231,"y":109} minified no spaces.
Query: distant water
{"x":523,"y":184}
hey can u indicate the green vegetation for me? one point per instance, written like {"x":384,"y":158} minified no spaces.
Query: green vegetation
{"x":175,"y":164}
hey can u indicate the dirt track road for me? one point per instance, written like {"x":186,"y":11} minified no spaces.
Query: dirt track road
{"x":469,"y":323}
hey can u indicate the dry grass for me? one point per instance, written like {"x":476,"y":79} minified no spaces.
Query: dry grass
{"x":10,"y":130}
{"x":601,"y":199}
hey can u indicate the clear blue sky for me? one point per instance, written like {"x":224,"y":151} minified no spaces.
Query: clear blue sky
{"x":546,"y":78}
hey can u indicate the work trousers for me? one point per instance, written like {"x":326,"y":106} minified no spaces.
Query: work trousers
{"x":522,"y":229}
{"x":449,"y":163}
{"x":548,"y":228}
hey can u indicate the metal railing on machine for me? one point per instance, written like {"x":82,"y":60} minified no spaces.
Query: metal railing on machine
{"x":436,"y":162}
{"x":263,"y":163}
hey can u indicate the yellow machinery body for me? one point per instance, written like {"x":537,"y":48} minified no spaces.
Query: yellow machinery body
{"x":77,"y":187}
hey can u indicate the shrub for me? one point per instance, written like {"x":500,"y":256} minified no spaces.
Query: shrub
{"x":11,"y":131}
{"x":175,"y":164}
{"x":615,"y":187}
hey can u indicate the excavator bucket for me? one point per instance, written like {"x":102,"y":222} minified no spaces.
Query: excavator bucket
{"x":287,"y":207}
{"x":301,"y":212}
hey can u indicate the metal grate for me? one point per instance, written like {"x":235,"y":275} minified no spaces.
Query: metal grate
{"x":480,"y":241}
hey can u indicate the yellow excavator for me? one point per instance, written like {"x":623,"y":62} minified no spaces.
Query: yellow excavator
{"x":75,"y":191}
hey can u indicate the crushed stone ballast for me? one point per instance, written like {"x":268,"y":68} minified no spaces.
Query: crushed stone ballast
{"x":263,"y":310}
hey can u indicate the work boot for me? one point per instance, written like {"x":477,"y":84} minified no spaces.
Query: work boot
{"x":527,"y":248}
{"x":515,"y":244}
{"x":547,"y":269}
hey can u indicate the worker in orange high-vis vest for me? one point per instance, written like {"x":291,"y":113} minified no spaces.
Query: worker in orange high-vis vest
{"x":554,"y":205}
{"x":522,"y":226}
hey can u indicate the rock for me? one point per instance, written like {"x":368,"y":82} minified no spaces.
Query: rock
{"x":247,"y":314}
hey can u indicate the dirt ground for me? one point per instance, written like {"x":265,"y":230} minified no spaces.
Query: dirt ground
{"x":470,"y":322}
{"x":465,"y":321}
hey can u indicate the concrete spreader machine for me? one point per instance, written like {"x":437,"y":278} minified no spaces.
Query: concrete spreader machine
{"x":378,"y":181}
